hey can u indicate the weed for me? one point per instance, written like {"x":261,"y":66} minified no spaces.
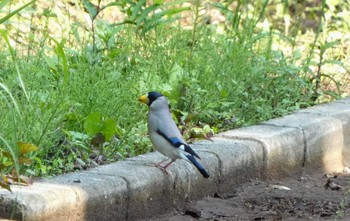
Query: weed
{"x":71,"y":73}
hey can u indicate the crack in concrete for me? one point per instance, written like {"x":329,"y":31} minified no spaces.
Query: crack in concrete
{"x":319,"y":113}
{"x":304,"y":137}
{"x":220,"y":164}
{"x":305,"y":147}
{"x":176,"y":180}
{"x":315,"y":113}
{"x":128,"y":196}
{"x":263,"y":147}
{"x":101,"y":174}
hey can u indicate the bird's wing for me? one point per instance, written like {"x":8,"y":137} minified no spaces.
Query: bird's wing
{"x":177,"y":143}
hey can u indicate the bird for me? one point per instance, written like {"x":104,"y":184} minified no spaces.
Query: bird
{"x":165,"y":135}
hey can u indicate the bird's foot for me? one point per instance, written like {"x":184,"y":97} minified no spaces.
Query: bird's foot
{"x":162,"y":169}
{"x":158,"y":164}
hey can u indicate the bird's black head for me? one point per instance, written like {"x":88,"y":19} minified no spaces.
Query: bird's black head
{"x":150,"y":97}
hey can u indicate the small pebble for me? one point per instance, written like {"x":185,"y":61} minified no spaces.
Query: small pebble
{"x":346,"y":170}
{"x":77,"y":181}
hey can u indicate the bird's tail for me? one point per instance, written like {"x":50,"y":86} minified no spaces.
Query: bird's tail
{"x":198,"y":166}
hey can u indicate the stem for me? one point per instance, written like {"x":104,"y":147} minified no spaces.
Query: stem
{"x":93,"y":35}
{"x":195,"y":23}
{"x":318,"y":77}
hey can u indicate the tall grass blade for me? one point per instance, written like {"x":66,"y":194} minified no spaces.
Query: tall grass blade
{"x":13,"y":56}
{"x":13,"y":100}
{"x":7,"y":17}
{"x":61,"y":55}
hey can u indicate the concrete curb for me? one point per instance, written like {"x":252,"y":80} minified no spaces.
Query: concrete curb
{"x":317,"y":137}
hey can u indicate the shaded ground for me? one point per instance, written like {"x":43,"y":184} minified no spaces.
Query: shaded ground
{"x":307,"y":197}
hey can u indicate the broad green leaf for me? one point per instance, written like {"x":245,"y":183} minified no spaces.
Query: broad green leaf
{"x":332,"y":61}
{"x":332,"y":94}
{"x":76,"y":135}
{"x":114,"y":4}
{"x":145,"y":13}
{"x":93,"y":124}
{"x":48,"y":13}
{"x":159,"y":2}
{"x":91,"y":8}
{"x":26,"y":147}
{"x":8,"y":164}
{"x":328,"y":45}
{"x":176,"y":3}
{"x":136,"y":9}
{"x":108,"y":129}
{"x":50,"y":61}
{"x":196,"y":132}
{"x":220,"y":6}
{"x":155,"y":22}
{"x":31,"y":172}
{"x":207,"y":129}
{"x":127,"y":22}
{"x":130,"y":2}
{"x":174,"y":11}
{"x":224,"y":93}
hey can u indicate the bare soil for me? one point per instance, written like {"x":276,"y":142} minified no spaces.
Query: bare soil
{"x":314,"y":196}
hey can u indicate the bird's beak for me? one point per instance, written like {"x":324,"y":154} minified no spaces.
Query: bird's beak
{"x":144,"y":99}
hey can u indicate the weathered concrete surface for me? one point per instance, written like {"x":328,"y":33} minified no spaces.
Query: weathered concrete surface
{"x":322,"y":136}
{"x":135,"y":189}
{"x":62,"y":199}
{"x":283,"y":148}
{"x":340,"y":110}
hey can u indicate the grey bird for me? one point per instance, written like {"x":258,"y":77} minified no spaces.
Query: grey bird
{"x":164,"y":134}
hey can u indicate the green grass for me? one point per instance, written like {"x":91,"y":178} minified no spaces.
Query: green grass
{"x":62,"y":93}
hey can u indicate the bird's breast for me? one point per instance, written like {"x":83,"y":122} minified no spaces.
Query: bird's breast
{"x":163,"y":146}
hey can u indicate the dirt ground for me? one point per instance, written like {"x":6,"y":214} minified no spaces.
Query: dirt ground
{"x":315,"y":196}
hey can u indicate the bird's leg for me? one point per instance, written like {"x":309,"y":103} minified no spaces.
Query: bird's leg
{"x":163,"y":168}
{"x":159,"y":164}
{"x":172,"y":161}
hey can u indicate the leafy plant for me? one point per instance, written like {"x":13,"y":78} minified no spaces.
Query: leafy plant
{"x":147,"y":18}
{"x":99,"y":129}
{"x":11,"y":160}
{"x":70,"y":85}
{"x":93,"y":11}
